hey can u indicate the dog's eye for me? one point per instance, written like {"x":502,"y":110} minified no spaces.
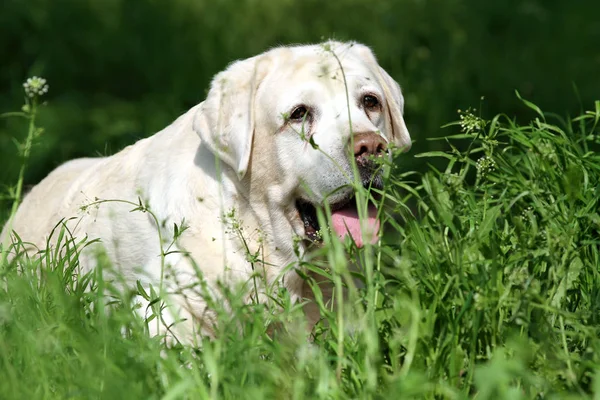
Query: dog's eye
{"x":370,"y":101}
{"x":299,"y":113}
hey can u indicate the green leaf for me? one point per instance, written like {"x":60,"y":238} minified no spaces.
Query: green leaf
{"x":141,"y":291}
{"x":489,"y":221}
{"x":436,"y":154}
{"x":530,"y":105}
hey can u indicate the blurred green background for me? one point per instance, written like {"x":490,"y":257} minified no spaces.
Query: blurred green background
{"x":120,"y":70}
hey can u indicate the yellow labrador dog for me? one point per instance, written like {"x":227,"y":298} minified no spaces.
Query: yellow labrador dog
{"x":244,"y":171}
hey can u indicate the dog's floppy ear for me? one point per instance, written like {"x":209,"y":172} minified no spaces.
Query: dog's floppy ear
{"x":393,"y":97}
{"x":225,"y":120}
{"x":395,"y":106}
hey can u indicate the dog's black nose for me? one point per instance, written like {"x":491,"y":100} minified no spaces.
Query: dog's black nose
{"x":368,"y":144}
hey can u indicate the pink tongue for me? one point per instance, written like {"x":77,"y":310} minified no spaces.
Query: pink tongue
{"x":345,"y":221}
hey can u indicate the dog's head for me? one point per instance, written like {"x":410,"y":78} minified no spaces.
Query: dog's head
{"x":306,"y":123}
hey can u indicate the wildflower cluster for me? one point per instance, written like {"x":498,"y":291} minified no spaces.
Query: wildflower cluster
{"x":485,"y":165}
{"x":469,"y":122}
{"x":453,"y":180}
{"x":547,"y":151}
{"x":526,"y":213}
{"x":35,"y":86}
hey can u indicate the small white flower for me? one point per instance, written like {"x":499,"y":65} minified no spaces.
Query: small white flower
{"x":527,"y":213}
{"x":469,"y":122}
{"x":35,"y":86}
{"x":485,"y":165}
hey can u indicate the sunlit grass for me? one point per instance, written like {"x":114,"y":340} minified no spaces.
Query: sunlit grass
{"x":486,"y":283}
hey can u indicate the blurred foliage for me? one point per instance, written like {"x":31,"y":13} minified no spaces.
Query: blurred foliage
{"x":120,"y":70}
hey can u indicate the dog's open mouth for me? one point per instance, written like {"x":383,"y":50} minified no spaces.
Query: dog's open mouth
{"x":344,"y":221}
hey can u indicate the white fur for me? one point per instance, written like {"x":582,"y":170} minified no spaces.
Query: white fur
{"x":234,"y":151}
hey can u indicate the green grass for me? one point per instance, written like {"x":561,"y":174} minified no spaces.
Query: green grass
{"x":486,"y":284}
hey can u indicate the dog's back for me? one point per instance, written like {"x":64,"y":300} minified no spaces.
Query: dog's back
{"x":37,"y":214}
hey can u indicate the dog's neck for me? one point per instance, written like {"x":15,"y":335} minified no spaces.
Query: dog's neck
{"x":266,"y":231}
{"x":253,"y":226}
